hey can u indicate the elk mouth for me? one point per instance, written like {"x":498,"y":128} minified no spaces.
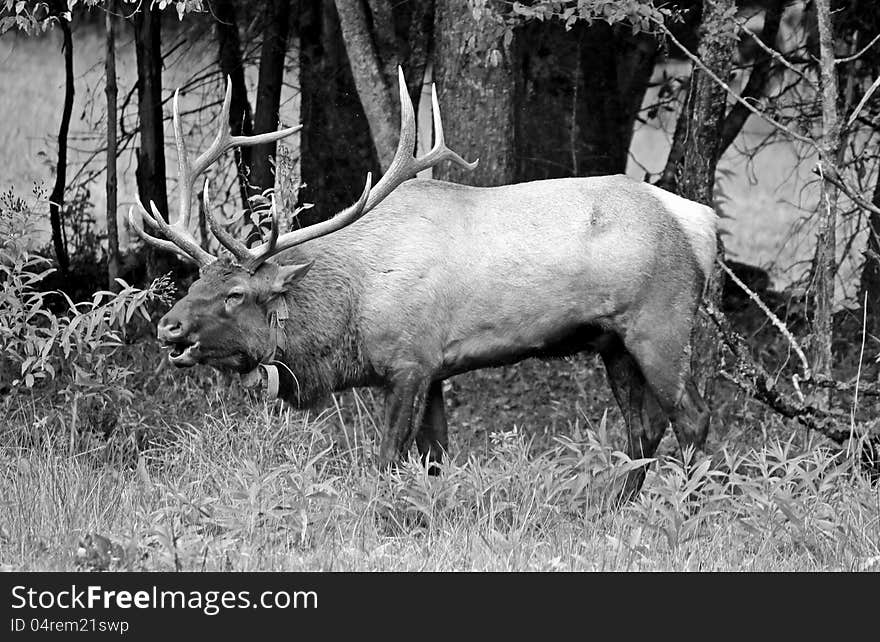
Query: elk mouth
{"x":183,"y":354}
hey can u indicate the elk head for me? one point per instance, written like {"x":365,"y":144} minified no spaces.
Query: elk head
{"x":229,"y":317}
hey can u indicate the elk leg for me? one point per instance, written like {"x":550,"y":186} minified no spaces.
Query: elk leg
{"x":404,"y":408}
{"x":645,"y":421}
{"x":691,"y":418}
{"x":664,"y":359}
{"x":432,"y":439}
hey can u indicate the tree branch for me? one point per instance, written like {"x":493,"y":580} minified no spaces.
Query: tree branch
{"x":757,"y":112}
{"x":859,"y":53}
{"x":769,"y":314}
{"x":759,"y":77}
{"x":755,"y":381}
{"x":829,"y":173}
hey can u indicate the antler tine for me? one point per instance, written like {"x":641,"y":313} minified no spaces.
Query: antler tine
{"x":183,"y":169}
{"x":440,"y":151}
{"x":178,"y":233}
{"x":400,"y":168}
{"x":288,"y":240}
{"x":162,"y":244}
{"x":224,"y":140}
{"x":181,"y":244}
{"x":182,"y":238}
{"x":403,"y":166}
{"x":218,"y":145}
{"x":236,"y":247}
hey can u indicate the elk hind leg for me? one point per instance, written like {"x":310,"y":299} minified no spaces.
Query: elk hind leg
{"x":663,"y":354}
{"x":645,"y":421}
{"x":432,"y":438}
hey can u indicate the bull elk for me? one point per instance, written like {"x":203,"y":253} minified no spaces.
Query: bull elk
{"x":443,"y":278}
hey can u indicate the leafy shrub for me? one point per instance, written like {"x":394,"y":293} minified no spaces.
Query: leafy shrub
{"x":64,"y":349}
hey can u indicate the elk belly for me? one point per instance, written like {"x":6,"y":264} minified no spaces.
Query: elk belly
{"x":495,"y":344}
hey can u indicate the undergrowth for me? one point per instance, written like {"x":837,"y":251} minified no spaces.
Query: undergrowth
{"x":268,"y":489}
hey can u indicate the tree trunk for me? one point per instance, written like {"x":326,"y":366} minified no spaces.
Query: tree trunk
{"x":232,"y":67}
{"x":56,"y":198}
{"x":578,"y":94}
{"x":691,"y":171}
{"x":336,"y":149}
{"x":759,"y":77}
{"x":380,"y":36}
{"x":824,"y":264}
{"x":150,"y":171}
{"x":110,"y":92}
{"x":418,"y":19}
{"x":869,"y":284}
{"x":636,"y":59}
{"x":271,"y":78}
{"x":475,"y":85}
{"x":377,"y":92}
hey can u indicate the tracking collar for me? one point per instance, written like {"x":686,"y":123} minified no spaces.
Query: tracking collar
{"x":267,"y":370}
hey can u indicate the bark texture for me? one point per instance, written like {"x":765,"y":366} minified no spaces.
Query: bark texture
{"x":475,"y":85}
{"x":376,"y":92}
{"x":578,"y":94}
{"x":271,"y":79}
{"x":150,"y":172}
{"x":379,"y":36}
{"x":690,"y":169}
{"x":824,"y":263}
{"x":232,"y":67}
{"x":336,"y":149}
{"x":759,"y":76}
{"x":869,"y":284}
{"x":56,"y":198}
{"x":110,"y":92}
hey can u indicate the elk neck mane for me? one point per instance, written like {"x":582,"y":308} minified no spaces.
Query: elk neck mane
{"x":320,"y":340}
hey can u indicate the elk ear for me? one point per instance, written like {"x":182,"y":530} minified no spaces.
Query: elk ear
{"x":287,"y":275}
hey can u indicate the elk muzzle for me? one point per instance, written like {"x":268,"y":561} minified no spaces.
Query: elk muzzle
{"x":174,"y":333}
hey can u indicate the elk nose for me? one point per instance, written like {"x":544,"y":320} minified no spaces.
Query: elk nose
{"x":171,"y":328}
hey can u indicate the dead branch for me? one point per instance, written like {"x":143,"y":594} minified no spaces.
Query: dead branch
{"x":776,"y":55}
{"x":772,"y":317}
{"x":859,"y":53}
{"x":829,"y":173}
{"x":739,"y":99}
{"x":863,"y":101}
{"x":861,"y":388}
{"x":755,"y":381}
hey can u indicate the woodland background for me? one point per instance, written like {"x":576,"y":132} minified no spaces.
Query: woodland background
{"x":766,"y":110}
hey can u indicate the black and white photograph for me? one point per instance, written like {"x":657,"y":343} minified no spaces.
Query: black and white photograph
{"x":331,"y":287}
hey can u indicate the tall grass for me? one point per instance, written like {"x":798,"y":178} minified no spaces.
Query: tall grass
{"x":263,"y":488}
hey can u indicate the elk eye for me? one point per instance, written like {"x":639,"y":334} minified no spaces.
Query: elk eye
{"x":235,"y":296}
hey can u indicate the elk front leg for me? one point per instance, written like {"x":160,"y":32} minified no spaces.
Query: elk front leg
{"x":432,"y":439}
{"x":404,"y":409}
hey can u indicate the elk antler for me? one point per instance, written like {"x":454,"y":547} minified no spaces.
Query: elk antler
{"x":180,"y":239}
{"x":403,"y":167}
